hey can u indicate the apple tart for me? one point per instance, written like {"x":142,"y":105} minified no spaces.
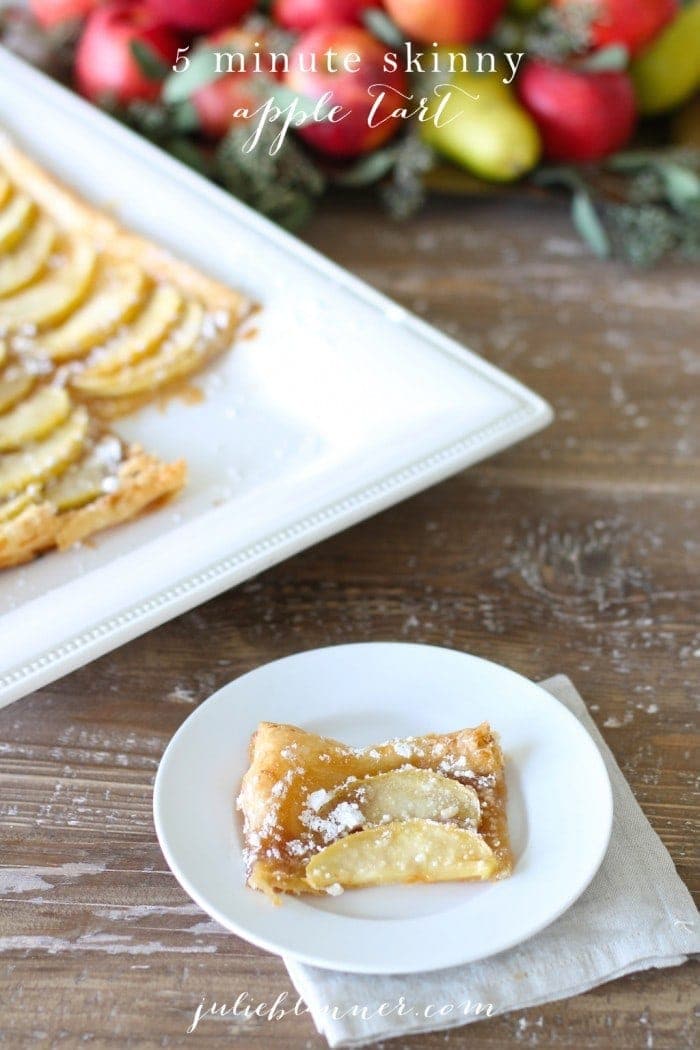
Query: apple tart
{"x":95,"y":322}
{"x":320,"y":816}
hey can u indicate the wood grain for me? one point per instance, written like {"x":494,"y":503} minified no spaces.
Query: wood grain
{"x":577,"y":551}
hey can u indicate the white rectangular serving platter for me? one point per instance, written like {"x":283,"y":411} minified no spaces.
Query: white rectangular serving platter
{"x":341,"y":405}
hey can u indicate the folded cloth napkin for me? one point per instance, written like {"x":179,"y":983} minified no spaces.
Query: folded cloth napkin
{"x":635,"y":915}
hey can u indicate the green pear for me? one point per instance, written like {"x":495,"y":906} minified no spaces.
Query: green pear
{"x":668,"y":72}
{"x":483,"y":128}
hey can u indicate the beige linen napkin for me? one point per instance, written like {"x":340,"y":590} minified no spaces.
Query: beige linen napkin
{"x":636,"y":914}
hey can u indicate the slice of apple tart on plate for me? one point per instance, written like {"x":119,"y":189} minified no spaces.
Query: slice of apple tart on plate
{"x":320,"y":816}
{"x":421,"y":820}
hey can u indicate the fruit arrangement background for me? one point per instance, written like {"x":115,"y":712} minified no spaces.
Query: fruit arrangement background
{"x":599,"y":77}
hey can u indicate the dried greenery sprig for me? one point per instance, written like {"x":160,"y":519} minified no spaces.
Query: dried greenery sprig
{"x":638,"y":206}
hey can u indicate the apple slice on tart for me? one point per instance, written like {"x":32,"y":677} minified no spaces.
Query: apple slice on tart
{"x":15,"y":384}
{"x":34,"y":418}
{"x":402,"y":851}
{"x":407,"y":793}
{"x":96,"y":472}
{"x":13,"y":507}
{"x":15,"y":218}
{"x":5,"y":187}
{"x":55,"y":295}
{"x":26,"y":261}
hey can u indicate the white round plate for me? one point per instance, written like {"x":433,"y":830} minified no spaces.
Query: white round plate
{"x":559,"y":808}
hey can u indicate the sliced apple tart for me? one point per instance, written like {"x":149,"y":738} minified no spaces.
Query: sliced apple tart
{"x":320,"y":816}
{"x":76,"y":289}
{"x":63,"y":478}
{"x":95,"y":322}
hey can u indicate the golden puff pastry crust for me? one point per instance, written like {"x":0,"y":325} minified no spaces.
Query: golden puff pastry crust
{"x":291,"y":820}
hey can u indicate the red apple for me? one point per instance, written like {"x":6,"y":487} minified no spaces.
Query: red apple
{"x":200,"y":16}
{"x":353,"y":135}
{"x":582,"y":115}
{"x":52,"y":12}
{"x":217,"y":101}
{"x":632,"y":23}
{"x":104,"y":63}
{"x":445,"y":21}
{"x":299,"y":15}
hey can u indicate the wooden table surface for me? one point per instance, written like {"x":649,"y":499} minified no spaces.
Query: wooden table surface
{"x":577,"y":551}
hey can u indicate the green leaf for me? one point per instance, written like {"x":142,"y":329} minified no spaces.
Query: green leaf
{"x":588,"y":223}
{"x":368,"y":169}
{"x":149,"y":61}
{"x":283,"y":97}
{"x":201,"y":71}
{"x":380,"y":25}
{"x":611,"y":59}
{"x":633,"y":160}
{"x":682,"y":186}
{"x":564,"y":175}
{"x":184,"y":118}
